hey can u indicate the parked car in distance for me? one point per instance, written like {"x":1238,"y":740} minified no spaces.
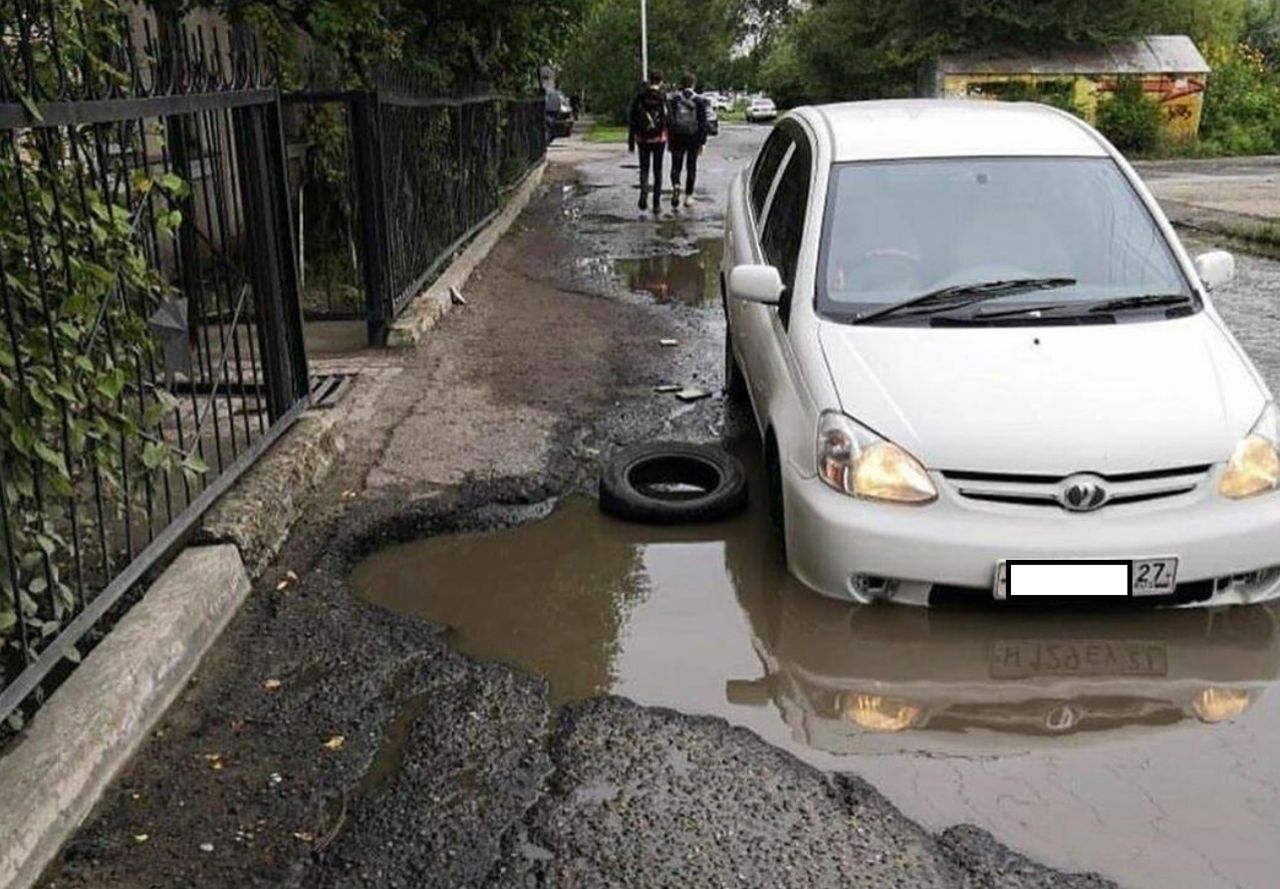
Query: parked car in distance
{"x":761,"y":108}
{"x":985,"y":368}
{"x":718,"y":101}
{"x":713,"y":120}
{"x":559,"y":115}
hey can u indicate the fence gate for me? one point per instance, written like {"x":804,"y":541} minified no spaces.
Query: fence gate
{"x":150,"y":330}
{"x":410,"y":178}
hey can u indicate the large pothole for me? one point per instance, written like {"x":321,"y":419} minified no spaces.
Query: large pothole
{"x":1028,"y":724}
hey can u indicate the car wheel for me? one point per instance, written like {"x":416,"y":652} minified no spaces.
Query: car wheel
{"x":673,"y":483}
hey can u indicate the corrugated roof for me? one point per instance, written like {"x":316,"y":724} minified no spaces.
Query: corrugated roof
{"x":1160,"y":54}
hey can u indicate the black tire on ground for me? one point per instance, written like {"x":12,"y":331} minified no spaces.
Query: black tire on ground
{"x":673,"y":483}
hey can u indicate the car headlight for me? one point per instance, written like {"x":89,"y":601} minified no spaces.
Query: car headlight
{"x":1254,"y":468}
{"x":854,"y":460}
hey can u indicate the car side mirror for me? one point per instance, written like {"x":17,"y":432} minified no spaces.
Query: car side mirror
{"x":756,"y":284}
{"x":1216,"y":269}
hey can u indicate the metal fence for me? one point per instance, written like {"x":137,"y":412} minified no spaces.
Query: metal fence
{"x":395,"y":180}
{"x":150,"y":332}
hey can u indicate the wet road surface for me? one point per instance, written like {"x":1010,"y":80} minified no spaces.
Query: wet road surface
{"x":1133,"y":744}
{"x":1129,"y":743}
{"x":330,"y":742}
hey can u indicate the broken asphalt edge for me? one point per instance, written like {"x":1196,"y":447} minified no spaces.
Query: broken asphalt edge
{"x":426,"y":309}
{"x":101,"y":715}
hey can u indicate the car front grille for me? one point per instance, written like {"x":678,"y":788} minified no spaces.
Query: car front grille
{"x":1043,"y":490}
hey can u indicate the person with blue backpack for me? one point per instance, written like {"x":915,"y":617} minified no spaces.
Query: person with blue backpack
{"x":688,"y":129}
{"x":647,"y":128}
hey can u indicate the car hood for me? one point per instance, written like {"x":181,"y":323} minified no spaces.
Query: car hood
{"x":1110,"y":399}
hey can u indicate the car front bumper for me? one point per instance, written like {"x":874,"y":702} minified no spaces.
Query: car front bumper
{"x":833,"y":538}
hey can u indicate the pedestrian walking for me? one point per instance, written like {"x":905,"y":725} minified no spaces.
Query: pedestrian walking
{"x":688,"y":116}
{"x":647,"y":129}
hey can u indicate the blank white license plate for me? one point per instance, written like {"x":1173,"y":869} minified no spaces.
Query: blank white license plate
{"x":1026,"y":579}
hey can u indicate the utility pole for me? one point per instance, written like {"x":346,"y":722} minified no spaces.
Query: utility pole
{"x":644,"y":41}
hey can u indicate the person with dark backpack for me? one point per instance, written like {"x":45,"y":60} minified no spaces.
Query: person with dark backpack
{"x":688,"y":127}
{"x":647,"y":128}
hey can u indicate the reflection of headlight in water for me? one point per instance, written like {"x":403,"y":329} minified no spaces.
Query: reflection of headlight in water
{"x":1220,"y":704}
{"x":877,"y":714}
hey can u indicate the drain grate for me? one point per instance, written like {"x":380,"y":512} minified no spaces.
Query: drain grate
{"x":328,"y":389}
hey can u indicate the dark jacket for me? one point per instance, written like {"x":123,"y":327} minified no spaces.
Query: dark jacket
{"x":648,"y":118}
{"x":699,"y":138}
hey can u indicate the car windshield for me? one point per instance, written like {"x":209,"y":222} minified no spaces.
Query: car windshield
{"x":898,"y":229}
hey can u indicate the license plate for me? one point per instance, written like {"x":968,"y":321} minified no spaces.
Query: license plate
{"x":1025,"y":658}
{"x":1025,"y":579}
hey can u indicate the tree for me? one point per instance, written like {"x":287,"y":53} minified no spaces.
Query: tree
{"x":449,"y":43}
{"x":869,"y":48}
{"x":683,"y":36}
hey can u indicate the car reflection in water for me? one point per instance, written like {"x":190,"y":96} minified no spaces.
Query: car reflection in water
{"x":836,"y":672}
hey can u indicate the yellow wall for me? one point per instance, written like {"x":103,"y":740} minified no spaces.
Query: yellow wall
{"x":1181,"y":96}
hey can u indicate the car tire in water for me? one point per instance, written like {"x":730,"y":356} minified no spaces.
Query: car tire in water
{"x":673,"y":483}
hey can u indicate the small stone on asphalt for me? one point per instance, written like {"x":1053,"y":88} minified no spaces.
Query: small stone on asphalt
{"x":692,"y":394}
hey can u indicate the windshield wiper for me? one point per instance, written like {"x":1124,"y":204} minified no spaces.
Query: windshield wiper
{"x":1148,"y":301}
{"x":960,"y":295}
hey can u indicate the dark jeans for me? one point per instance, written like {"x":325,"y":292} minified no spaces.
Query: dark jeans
{"x":684,"y":154}
{"x":651,"y":156}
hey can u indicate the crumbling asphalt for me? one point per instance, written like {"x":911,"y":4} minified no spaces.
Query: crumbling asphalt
{"x":326,"y":742}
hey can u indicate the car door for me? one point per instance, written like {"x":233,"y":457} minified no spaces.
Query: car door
{"x":780,"y":243}
{"x":748,"y":321}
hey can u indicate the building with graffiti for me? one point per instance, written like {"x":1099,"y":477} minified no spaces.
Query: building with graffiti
{"x":1170,"y":68}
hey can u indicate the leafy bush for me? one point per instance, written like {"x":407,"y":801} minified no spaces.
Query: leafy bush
{"x":1130,"y":119}
{"x":1242,"y":103}
{"x":81,"y":416}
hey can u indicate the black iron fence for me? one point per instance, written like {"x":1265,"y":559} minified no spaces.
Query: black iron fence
{"x":150,"y":331}
{"x":394,"y":180}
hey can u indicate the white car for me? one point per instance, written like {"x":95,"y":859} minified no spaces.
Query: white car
{"x":717,"y":101}
{"x":984,"y":367}
{"x":761,"y":108}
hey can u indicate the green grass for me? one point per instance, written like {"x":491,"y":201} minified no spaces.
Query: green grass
{"x":606,"y":134}
{"x":737,"y":115}
{"x":1266,"y":234}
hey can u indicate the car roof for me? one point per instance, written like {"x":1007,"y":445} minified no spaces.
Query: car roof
{"x":911,"y":128}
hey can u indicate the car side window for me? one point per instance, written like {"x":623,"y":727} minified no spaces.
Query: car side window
{"x":766,"y":168}
{"x":784,"y":230}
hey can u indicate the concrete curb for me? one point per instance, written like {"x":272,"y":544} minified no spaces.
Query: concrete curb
{"x":260,"y":510}
{"x":434,"y":303}
{"x":91,"y":727}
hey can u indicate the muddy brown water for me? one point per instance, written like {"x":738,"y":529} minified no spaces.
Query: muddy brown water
{"x":1138,"y":744}
{"x":692,"y":278}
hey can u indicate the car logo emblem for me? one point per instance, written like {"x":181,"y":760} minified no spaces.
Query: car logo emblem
{"x":1083,"y":493}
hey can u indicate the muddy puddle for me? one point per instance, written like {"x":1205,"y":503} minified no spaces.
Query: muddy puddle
{"x":1141,"y":745}
{"x":690,"y":278}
